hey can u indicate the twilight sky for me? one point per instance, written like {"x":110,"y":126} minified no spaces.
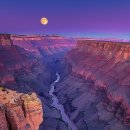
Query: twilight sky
{"x":92,"y":18}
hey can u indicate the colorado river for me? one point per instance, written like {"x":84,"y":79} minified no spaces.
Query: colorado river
{"x":59,"y":106}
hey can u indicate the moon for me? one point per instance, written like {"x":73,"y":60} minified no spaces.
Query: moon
{"x":44,"y":21}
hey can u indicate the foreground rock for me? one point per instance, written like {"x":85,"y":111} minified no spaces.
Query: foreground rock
{"x":96,"y":92}
{"x":19,"y":111}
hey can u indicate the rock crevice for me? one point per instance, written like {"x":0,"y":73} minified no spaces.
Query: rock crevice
{"x":20,"y":111}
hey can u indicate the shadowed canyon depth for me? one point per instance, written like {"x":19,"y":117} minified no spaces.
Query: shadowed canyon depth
{"x":58,"y":83}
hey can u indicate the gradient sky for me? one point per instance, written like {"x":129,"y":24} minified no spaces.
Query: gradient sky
{"x":93,"y":18}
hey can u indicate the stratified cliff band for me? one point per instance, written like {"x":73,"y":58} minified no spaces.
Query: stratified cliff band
{"x":96,"y":91}
{"x":93,"y":87}
{"x":25,"y":76}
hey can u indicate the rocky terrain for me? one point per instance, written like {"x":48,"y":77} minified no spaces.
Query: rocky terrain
{"x":19,"y":111}
{"x":93,"y":87}
{"x":25,"y":75}
{"x":44,"y":45}
{"x":95,"y":92}
{"x":47,"y":49}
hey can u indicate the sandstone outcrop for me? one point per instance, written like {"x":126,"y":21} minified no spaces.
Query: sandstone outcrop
{"x":19,"y":111}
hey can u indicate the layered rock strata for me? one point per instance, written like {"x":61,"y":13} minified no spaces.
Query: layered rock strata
{"x":23,"y":68}
{"x":19,"y":111}
{"x":44,"y":45}
{"x":96,"y":92}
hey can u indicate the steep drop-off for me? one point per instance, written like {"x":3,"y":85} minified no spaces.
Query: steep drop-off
{"x":19,"y":111}
{"x":96,"y":92}
{"x":94,"y":85}
{"x":21,"y":108}
{"x":27,"y":65}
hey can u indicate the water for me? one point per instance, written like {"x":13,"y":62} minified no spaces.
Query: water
{"x":59,"y":106}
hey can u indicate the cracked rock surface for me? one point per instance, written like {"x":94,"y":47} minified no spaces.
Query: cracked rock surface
{"x":19,"y":111}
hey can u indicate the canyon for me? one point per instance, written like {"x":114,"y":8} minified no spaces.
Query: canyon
{"x":95,"y":93}
{"x":25,"y":78}
{"x":93,"y":89}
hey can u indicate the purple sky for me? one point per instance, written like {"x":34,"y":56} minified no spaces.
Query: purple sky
{"x":93,"y":18}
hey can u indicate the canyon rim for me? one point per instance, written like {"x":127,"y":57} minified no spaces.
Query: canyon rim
{"x":93,"y":89}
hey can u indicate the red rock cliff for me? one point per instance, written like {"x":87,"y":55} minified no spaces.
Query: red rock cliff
{"x":108,"y":65}
{"x":49,"y":44}
{"x":19,"y":111}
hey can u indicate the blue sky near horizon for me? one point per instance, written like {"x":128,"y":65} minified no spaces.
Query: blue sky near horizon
{"x":90,"y":18}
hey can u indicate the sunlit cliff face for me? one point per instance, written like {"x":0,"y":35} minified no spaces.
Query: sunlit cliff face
{"x":20,"y":111}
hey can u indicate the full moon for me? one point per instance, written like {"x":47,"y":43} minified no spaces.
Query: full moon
{"x":44,"y":21}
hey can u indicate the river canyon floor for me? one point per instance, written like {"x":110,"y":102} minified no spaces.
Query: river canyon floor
{"x":72,"y":84}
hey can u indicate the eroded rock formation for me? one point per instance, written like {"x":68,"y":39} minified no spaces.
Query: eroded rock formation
{"x":19,"y":111}
{"x":5,"y":40}
{"x":96,"y":92}
{"x":44,"y":45}
{"x":24,"y":69}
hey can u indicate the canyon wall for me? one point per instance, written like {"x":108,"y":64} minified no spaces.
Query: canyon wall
{"x":26,"y":74}
{"x":94,"y":86}
{"x":20,"y":107}
{"x":48,"y":45}
{"x":106,"y":63}
{"x":96,"y":92}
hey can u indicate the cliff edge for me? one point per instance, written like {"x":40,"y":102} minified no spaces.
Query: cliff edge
{"x":19,"y":111}
{"x":96,"y":92}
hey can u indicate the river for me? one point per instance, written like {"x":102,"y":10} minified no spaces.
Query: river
{"x":59,"y":106}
